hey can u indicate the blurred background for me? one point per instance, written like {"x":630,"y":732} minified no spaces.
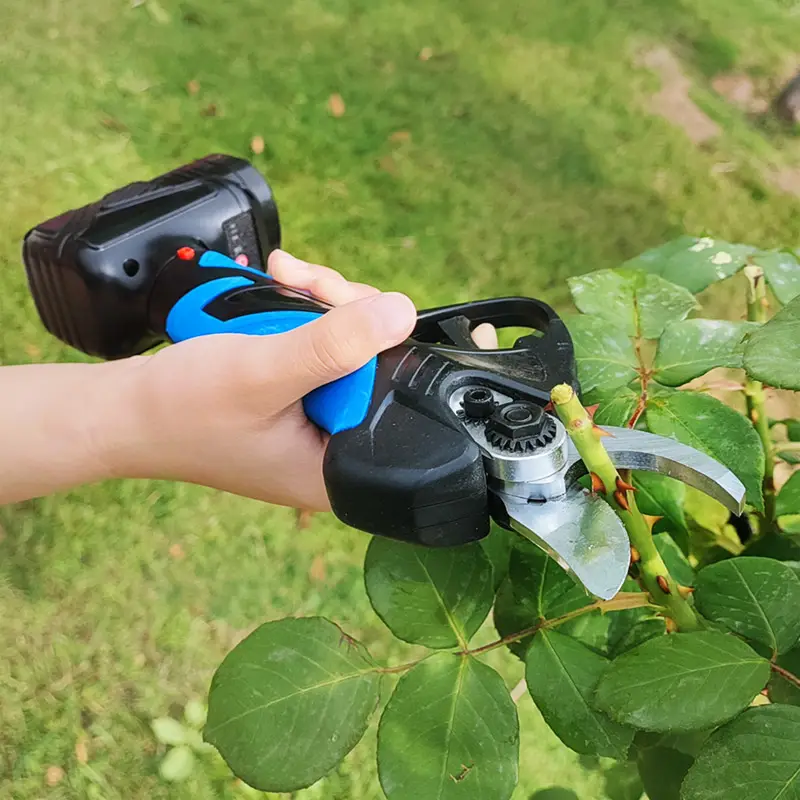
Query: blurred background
{"x":451,"y":149}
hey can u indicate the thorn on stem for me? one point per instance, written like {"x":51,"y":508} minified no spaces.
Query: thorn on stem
{"x":651,"y":520}
{"x":685,"y":591}
{"x":670,"y":625}
{"x":622,"y":500}
{"x":597,"y":483}
{"x":600,"y":433}
{"x":635,"y":556}
{"x":663,"y":585}
{"x":624,"y":486}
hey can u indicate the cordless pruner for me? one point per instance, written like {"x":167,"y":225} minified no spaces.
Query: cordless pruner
{"x":429,"y":441}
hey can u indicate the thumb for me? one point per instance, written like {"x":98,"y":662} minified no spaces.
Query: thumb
{"x":342,"y":340}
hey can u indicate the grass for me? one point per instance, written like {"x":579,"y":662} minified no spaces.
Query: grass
{"x":529,"y":158}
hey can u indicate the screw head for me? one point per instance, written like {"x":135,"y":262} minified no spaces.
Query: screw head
{"x":478,"y":403}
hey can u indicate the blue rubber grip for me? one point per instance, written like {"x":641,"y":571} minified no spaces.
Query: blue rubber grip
{"x":335,"y":407}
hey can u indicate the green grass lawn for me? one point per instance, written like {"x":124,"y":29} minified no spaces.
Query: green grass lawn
{"x":528,"y":157}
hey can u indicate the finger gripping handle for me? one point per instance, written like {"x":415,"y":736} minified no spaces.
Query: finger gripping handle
{"x":213,"y":294}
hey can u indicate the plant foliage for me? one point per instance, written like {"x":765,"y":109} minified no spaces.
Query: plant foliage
{"x":712,"y":711}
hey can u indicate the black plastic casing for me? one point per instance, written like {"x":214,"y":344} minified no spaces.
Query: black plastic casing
{"x":91,"y":270}
{"x":410,"y":470}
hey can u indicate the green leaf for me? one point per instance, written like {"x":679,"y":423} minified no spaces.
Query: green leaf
{"x":660,"y":496}
{"x":790,"y":523}
{"x":758,"y":598}
{"x":782,"y":271}
{"x":639,"y":303}
{"x":561,"y":674}
{"x":589,"y":629}
{"x":616,"y":407}
{"x":787,"y":504}
{"x":792,"y":429}
{"x":677,"y":563}
{"x":497,"y":546}
{"x":449,"y":732}
{"x":604,"y":354}
{"x":290,"y":701}
{"x":538,"y":588}
{"x":540,"y":585}
{"x":555,"y":793}
{"x":693,"y":262}
{"x":755,"y":757}
{"x":638,"y":632}
{"x":782,"y":690}
{"x":622,"y":782}
{"x":705,"y":423}
{"x":662,"y":771}
{"x":682,"y":682}
{"x":168,"y":731}
{"x":692,"y":347}
{"x":512,"y":617}
{"x":774,"y":545}
{"x":631,"y":627}
{"x":689,"y":744}
{"x":433,"y":596}
{"x":772,"y":353}
{"x":177,"y":765}
{"x":788,"y":500}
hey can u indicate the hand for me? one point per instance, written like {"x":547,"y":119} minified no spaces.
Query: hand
{"x":225,"y":411}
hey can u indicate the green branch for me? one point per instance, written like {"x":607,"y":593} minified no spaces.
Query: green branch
{"x":662,"y":587}
{"x":621,"y":602}
{"x":756,"y":400}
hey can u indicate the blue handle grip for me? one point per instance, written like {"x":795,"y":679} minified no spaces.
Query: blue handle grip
{"x":335,"y":407}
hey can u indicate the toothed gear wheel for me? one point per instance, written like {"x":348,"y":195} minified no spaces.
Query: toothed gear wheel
{"x":520,"y":428}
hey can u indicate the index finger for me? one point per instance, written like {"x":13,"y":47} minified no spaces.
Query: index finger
{"x":323,"y":282}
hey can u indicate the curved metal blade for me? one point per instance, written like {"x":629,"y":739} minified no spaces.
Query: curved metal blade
{"x":580,"y":531}
{"x":646,"y":451}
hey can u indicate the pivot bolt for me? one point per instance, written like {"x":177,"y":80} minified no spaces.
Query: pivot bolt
{"x":517,"y":421}
{"x":520,"y":427}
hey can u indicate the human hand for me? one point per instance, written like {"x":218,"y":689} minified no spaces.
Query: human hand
{"x":224,"y":411}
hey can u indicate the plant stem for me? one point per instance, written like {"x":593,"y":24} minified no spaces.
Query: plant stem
{"x":655,"y":576}
{"x":756,"y":400}
{"x":786,"y":675}
{"x":621,"y":602}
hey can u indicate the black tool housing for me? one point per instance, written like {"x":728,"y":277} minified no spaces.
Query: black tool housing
{"x":410,"y":470}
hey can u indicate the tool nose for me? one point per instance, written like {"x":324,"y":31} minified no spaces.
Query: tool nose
{"x":631,"y":449}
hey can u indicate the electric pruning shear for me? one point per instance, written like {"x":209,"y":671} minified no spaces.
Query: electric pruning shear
{"x":429,"y":441}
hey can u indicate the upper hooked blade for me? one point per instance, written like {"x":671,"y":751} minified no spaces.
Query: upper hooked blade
{"x":582,"y":532}
{"x":630,"y":449}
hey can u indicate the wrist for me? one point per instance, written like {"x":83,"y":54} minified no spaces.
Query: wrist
{"x":118,"y":431}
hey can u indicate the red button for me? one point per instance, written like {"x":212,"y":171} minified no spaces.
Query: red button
{"x":242,"y":260}
{"x":185,"y":253}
